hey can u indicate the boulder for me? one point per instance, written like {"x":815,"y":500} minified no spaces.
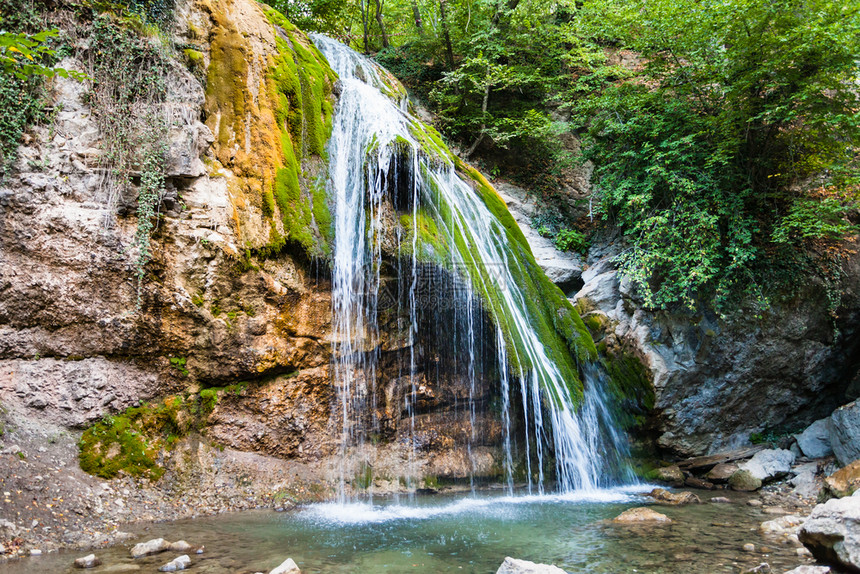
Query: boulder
{"x":844,"y":430}
{"x":721,"y":473}
{"x":514,"y":566}
{"x":743,"y":480}
{"x":668,"y":474}
{"x":180,"y":546}
{"x":814,"y":442}
{"x":769,"y":464}
{"x":694,"y":482}
{"x":832,"y":532}
{"x":806,"y":481}
{"x":807,"y":569}
{"x":153,"y":546}
{"x":845,"y":481}
{"x":87,"y":561}
{"x":180,"y":563}
{"x":663,"y":496}
{"x":287,"y":567}
{"x":783,"y":526}
{"x":641,"y":514}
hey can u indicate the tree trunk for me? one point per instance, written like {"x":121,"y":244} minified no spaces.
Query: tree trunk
{"x":449,"y":49}
{"x":478,"y":141}
{"x":416,"y":13}
{"x":363,"y":7}
{"x":381,"y":25}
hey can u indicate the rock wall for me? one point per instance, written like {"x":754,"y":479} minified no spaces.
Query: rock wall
{"x":715,"y":382}
{"x":237,"y":290}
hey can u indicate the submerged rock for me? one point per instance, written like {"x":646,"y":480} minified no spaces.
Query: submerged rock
{"x":153,"y":546}
{"x":844,"y":431}
{"x":808,"y":569}
{"x":515,"y":566}
{"x":832,"y":532}
{"x":288,"y":566}
{"x":763,"y":568}
{"x":845,"y":481}
{"x":814,"y":442}
{"x":180,"y":563}
{"x":744,"y":481}
{"x":641,"y":514}
{"x":663,"y":496}
{"x":788,"y":525}
{"x":87,"y":561}
{"x":180,"y":546}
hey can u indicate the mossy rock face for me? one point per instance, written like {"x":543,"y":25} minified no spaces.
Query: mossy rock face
{"x":744,"y":481}
{"x":271,"y":129}
{"x":558,"y":325}
{"x":132,"y":441}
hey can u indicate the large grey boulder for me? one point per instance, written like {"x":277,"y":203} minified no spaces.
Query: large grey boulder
{"x":814,"y":442}
{"x":769,"y":464}
{"x":844,"y":427}
{"x":832,"y":532}
{"x":514,"y":566}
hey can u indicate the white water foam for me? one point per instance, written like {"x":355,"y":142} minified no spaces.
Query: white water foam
{"x":356,"y":513}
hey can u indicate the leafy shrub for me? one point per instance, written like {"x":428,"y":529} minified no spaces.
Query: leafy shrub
{"x":570,"y":240}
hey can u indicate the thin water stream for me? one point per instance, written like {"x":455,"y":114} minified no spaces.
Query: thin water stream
{"x":441,"y":533}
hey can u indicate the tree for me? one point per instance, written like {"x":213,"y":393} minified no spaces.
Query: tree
{"x":740,"y":113}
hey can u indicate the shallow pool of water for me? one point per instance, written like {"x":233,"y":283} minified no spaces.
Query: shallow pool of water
{"x":460,"y":533}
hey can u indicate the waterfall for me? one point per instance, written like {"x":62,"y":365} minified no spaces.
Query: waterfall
{"x":387,"y":167}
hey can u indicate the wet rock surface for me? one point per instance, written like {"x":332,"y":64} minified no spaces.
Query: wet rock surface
{"x":515,"y":566}
{"x":639,"y":515}
{"x":832,"y":532}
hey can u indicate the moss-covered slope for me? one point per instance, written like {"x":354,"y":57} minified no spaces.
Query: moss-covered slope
{"x":269,"y":105}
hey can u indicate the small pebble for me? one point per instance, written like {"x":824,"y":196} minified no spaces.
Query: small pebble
{"x":749,"y":547}
{"x":754,"y":502}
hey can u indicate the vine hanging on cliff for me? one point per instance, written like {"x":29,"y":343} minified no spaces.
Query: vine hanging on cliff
{"x":129,"y":90}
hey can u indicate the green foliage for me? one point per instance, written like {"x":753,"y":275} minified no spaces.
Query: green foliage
{"x":132,"y":441}
{"x":28,"y":52}
{"x":128,"y":84}
{"x":178,"y":363}
{"x":713,"y":150}
{"x":570,"y":240}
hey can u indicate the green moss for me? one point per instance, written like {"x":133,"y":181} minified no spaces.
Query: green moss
{"x":178,"y":363}
{"x":132,"y":441}
{"x":364,"y":477}
{"x":630,"y":384}
{"x":303,"y":84}
{"x":559,"y":327}
{"x":432,"y":245}
{"x":226,"y":88}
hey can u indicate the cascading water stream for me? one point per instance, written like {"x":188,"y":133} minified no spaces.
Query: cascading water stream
{"x":375,"y":141}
